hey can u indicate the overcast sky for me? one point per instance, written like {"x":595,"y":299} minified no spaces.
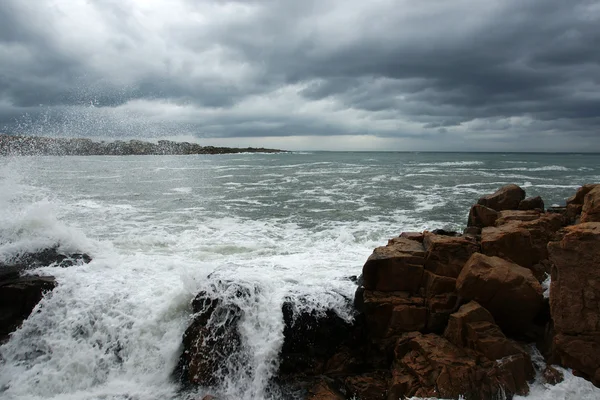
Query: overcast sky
{"x":299,"y":74}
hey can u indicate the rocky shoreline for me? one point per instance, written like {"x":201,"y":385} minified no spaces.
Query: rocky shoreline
{"x":437,"y":314}
{"x":49,"y":146}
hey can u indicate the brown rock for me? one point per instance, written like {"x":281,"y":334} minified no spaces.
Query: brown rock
{"x":395,"y":267}
{"x":579,"y":196}
{"x":418,"y":236}
{"x":429,"y":365}
{"x":506,"y":198}
{"x":532,"y":203}
{"x":509,"y":241}
{"x":543,"y":230}
{"x":575,"y":298}
{"x":482,"y":216}
{"x":323,"y":390}
{"x":510,"y":292}
{"x":573,"y":211}
{"x":552,"y":376}
{"x":392,"y":313}
{"x":437,"y":284}
{"x":591,"y":206}
{"x":446,"y":255}
{"x":575,"y":287}
{"x":516,"y":215}
{"x":456,"y":332}
{"x":371,"y":386}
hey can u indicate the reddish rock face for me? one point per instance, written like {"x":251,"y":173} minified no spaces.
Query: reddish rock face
{"x":418,"y":236}
{"x":579,"y":196}
{"x":446,"y":255}
{"x":506,"y":198}
{"x":509,"y":241}
{"x":532,"y":203}
{"x":516,"y":215}
{"x":393,"y":313}
{"x":510,"y":292}
{"x":429,"y":365}
{"x":591,"y":206}
{"x":395,"y":267}
{"x":482,"y":216}
{"x":322,"y":390}
{"x":575,"y":298}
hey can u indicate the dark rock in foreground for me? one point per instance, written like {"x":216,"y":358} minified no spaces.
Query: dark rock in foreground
{"x":36,"y":146}
{"x":19,"y":294}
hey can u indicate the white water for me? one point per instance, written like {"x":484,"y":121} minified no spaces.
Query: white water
{"x":112,"y":328}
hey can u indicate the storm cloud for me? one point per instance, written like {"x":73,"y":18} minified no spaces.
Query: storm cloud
{"x":399,"y":75}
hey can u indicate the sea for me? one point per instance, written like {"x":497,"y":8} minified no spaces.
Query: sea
{"x":290,"y":226}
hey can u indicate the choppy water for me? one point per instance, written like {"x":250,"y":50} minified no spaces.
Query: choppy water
{"x":284,"y":225}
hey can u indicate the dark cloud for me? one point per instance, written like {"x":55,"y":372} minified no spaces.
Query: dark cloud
{"x":444,"y":72}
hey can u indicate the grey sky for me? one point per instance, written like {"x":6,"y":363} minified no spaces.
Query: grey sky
{"x":398,"y":75}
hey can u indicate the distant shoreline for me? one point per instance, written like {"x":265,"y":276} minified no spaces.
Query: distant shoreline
{"x":48,"y":146}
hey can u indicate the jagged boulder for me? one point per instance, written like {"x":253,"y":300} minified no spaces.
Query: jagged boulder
{"x":446,"y":255}
{"x":532,"y":203}
{"x":590,"y":211}
{"x":506,"y":198}
{"x":575,"y":299}
{"x":213,"y":337}
{"x":395,"y":267}
{"x":507,"y":216}
{"x":510,"y":292}
{"x":431,"y":366}
{"x":482,"y":216}
{"x":389,"y":314}
{"x":509,"y":241}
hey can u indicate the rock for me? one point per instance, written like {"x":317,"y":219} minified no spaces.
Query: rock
{"x":437,"y":284}
{"x":213,"y":337}
{"x":395,"y":267}
{"x":579,"y":196}
{"x":323,"y":390}
{"x":48,"y":257}
{"x":516,"y":215}
{"x":482,"y":216}
{"x":510,"y":292}
{"x":311,"y":339}
{"x":209,"y":397}
{"x":418,"y":236}
{"x":18,"y":298}
{"x":575,"y":299}
{"x":371,"y":386}
{"x":509,"y":241}
{"x":431,"y":366}
{"x":552,"y":376}
{"x":591,"y":206}
{"x":472,"y":231}
{"x":456,"y":332}
{"x":506,"y":198}
{"x":390,"y":314}
{"x":446,"y":255}
{"x":543,"y":230}
{"x":532,"y":203}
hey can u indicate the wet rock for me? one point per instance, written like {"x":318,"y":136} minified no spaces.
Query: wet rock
{"x":324,"y":390}
{"x":574,"y":299}
{"x":446,"y":255}
{"x":18,"y":298}
{"x":395,"y":267}
{"x":211,"y":340}
{"x":390,"y":314}
{"x":370,"y":386}
{"x":591,"y":206}
{"x":482,"y":216}
{"x":532,"y":203}
{"x":312,"y":338}
{"x":431,"y":366}
{"x":510,"y":292}
{"x":506,"y":198}
{"x":48,"y":257}
{"x":552,"y":376}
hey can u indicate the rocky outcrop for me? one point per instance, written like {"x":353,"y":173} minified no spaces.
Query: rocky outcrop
{"x":34,"y":145}
{"x":575,"y":298}
{"x":506,"y":198}
{"x":20,"y":293}
{"x":444,"y":315}
{"x":590,"y":211}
